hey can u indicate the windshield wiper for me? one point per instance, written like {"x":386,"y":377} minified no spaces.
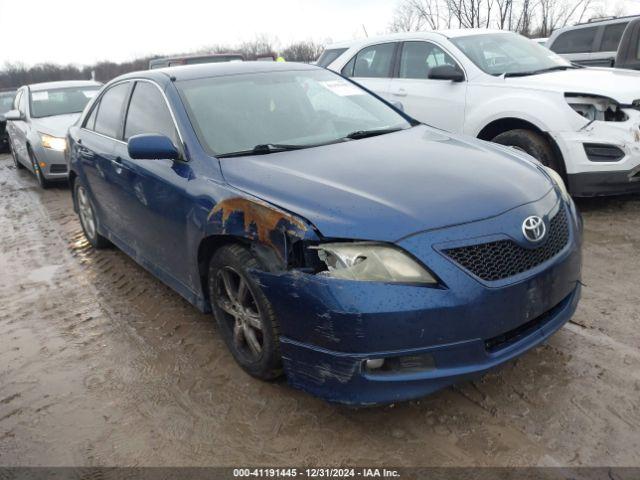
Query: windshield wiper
{"x":538,"y":72}
{"x":263,"y":149}
{"x":370,"y":133}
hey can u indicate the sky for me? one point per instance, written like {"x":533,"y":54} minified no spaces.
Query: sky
{"x":84,"y":31}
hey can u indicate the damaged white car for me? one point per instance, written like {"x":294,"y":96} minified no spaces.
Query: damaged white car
{"x":502,"y":87}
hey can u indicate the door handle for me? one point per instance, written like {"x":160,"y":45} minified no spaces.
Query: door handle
{"x":401,"y":92}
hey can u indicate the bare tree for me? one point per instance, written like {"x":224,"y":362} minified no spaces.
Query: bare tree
{"x":306,"y":52}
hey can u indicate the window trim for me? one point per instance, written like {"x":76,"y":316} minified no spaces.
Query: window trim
{"x":396,"y":70}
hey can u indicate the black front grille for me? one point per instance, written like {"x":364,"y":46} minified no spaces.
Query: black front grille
{"x":57,"y":169}
{"x":502,"y":259}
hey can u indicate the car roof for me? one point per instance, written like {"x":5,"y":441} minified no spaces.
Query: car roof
{"x":427,"y":34}
{"x":206,"y":70}
{"x":36,"y":87}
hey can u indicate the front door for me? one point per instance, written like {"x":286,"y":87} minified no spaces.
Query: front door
{"x":440,"y":103}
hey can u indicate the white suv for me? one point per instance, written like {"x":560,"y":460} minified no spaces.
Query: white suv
{"x":502,"y":87}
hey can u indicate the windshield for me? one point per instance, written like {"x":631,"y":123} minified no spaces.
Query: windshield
{"x":6,"y":101}
{"x":61,"y":101}
{"x":507,"y":53}
{"x":236,"y":113}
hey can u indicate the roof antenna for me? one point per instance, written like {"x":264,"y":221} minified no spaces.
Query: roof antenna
{"x":365,"y":31}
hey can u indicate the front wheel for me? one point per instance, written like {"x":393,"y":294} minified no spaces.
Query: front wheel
{"x":245,"y":316}
{"x":16,"y":162}
{"x":87,"y":216}
{"x":43,"y":182}
{"x":532,"y":143}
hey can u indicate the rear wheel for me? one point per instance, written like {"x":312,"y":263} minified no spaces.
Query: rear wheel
{"x":245,"y":316}
{"x":87,"y":216}
{"x":532,"y":143}
{"x":43,"y":182}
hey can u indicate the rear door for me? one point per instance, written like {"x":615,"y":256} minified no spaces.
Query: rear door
{"x":372,"y":67}
{"x":95,"y":150}
{"x":154,"y":190}
{"x":440,"y":103}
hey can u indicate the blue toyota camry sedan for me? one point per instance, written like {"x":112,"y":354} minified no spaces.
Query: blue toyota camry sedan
{"x":367,"y":257}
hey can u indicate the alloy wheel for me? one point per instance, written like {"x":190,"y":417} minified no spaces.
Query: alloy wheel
{"x":85,"y":210}
{"x":239,"y":305}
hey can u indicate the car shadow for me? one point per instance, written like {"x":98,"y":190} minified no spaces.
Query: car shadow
{"x":594,"y":204}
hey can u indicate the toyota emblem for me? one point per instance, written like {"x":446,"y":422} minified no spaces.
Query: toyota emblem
{"x":534,"y":228}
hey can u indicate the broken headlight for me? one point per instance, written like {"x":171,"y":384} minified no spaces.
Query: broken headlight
{"x":596,"y":108}
{"x":371,"y":262}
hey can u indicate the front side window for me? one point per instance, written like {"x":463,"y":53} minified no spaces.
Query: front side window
{"x":576,"y":41}
{"x":508,"y":54}
{"x":418,"y":58}
{"x":302,"y":108}
{"x":148,"y":113}
{"x":110,"y":110}
{"x":371,"y":62}
{"x":61,"y":101}
{"x":612,"y":36}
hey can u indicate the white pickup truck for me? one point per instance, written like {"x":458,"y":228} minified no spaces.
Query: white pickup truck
{"x":501,"y":87}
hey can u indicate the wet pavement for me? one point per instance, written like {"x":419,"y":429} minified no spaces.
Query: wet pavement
{"x":101,"y":364}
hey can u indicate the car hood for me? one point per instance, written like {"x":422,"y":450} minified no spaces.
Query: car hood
{"x":620,"y":85}
{"x":387,"y":187}
{"x":56,"y":126}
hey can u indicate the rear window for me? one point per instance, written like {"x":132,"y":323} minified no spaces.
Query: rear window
{"x":575,"y":41}
{"x":110,"y":111}
{"x":328,"y":56}
{"x":612,"y":36}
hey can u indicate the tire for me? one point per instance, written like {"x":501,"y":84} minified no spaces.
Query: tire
{"x":87,"y":216}
{"x":16,"y":162}
{"x":43,"y":182}
{"x":532,"y":143}
{"x":235,"y":315}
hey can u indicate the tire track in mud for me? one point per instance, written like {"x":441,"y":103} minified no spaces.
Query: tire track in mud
{"x":102,"y":364}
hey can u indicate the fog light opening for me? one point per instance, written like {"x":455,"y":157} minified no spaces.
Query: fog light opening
{"x":373,"y":364}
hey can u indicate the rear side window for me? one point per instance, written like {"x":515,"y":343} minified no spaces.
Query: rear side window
{"x":612,"y":35}
{"x":110,"y":110}
{"x":148,"y":113}
{"x":328,"y":56}
{"x":575,"y":41}
{"x":418,"y":58}
{"x":372,"y":62}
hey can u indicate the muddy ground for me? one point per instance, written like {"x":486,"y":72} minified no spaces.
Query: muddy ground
{"x":101,"y":364}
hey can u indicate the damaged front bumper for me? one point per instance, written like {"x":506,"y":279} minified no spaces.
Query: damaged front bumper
{"x":590,"y":175}
{"x":334,"y":333}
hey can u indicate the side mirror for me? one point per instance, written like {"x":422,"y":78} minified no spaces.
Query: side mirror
{"x":398,"y":105}
{"x":446,"y":72}
{"x":152,"y":147}
{"x":14,"y":115}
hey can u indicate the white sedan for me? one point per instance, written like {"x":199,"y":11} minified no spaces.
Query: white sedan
{"x":505,"y":88}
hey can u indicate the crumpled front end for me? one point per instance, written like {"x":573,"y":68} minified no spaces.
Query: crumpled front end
{"x":360,"y":342}
{"x":603,"y":157}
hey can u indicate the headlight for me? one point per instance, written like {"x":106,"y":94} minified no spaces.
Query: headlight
{"x":371,"y":262}
{"x":557,"y":179}
{"x":53,"y":143}
{"x":594,"y":107}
